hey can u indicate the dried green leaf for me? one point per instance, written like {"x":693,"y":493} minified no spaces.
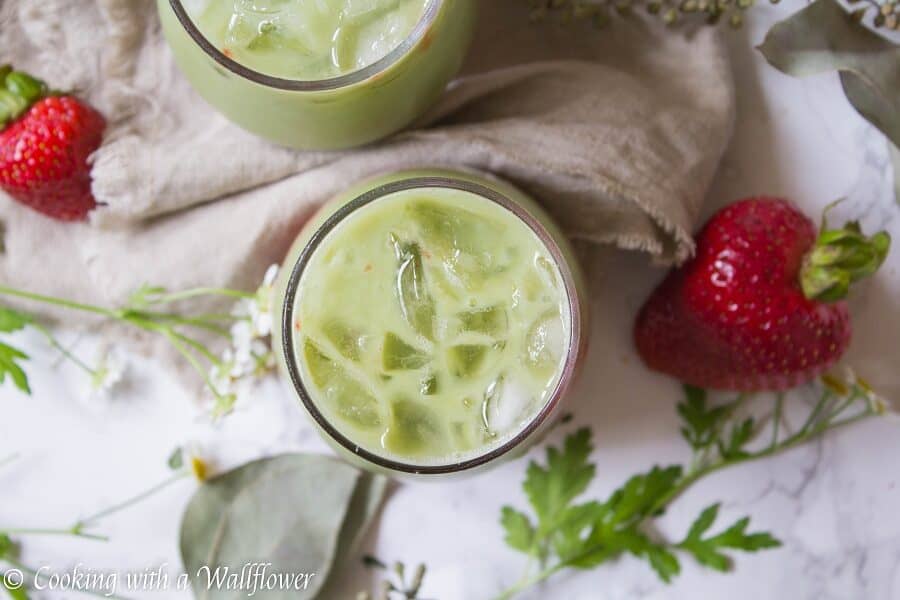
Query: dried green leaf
{"x":822,"y":37}
{"x":895,"y":159}
{"x":176,"y":459}
{"x":289,"y":510}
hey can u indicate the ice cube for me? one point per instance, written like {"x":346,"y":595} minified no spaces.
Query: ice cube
{"x":354,"y":9}
{"x":397,"y":355}
{"x":415,"y":301}
{"x":466,"y":360}
{"x":466,"y":434}
{"x":429,"y":385}
{"x":491,"y":321}
{"x":505,"y":403}
{"x":545,"y":343}
{"x":348,"y":398}
{"x":461,"y":239}
{"x":414,"y":428}
{"x":321,"y":368}
{"x":310,"y":24}
{"x":346,"y":340}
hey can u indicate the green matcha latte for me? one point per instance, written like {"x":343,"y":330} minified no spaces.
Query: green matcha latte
{"x":319,"y":74}
{"x":429,"y":326}
{"x":306,"y":39}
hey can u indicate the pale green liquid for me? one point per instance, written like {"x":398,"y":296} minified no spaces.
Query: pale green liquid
{"x":430,"y":324}
{"x":306,"y":39}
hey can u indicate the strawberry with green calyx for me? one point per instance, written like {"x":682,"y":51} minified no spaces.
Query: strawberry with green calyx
{"x":841,"y":257}
{"x":45,"y":142}
{"x":761,"y":305}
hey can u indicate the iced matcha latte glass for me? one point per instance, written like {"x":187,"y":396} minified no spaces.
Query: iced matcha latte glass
{"x":319,"y":74}
{"x":431,"y":321}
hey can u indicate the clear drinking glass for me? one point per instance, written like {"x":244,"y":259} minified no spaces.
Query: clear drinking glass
{"x":572,"y":295}
{"x":341,"y":112}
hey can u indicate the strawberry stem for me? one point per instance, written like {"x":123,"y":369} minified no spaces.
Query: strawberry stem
{"x":18,"y":92}
{"x":839,"y":258}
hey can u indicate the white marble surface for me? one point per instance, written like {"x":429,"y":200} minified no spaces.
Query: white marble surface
{"x":834,"y":503}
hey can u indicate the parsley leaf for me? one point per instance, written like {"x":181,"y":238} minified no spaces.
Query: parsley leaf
{"x":707,"y":551}
{"x":519,"y":530}
{"x":741,"y":434}
{"x":636,"y":499}
{"x":575,"y":535}
{"x":702,"y":422}
{"x":9,"y":366}
{"x":12,"y":320}
{"x":613,"y":526}
{"x":550,"y":489}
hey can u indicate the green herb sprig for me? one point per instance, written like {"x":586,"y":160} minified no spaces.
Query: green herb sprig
{"x":246,"y":329}
{"x":562,"y":534}
{"x":81,"y":528}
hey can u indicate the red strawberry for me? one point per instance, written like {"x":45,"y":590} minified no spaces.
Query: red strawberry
{"x":760,"y":307}
{"x":45,"y":146}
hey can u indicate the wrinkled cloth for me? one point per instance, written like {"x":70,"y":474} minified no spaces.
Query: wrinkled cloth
{"x":616,"y":132}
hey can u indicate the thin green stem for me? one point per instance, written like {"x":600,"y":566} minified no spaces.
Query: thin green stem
{"x":790,"y":442}
{"x":51,"y":339}
{"x":56,"y":532}
{"x":192,"y":360}
{"x":814,"y":415}
{"x":203,"y":350}
{"x":129,"y":502}
{"x":204,"y":291}
{"x":181,"y":344}
{"x":8,"y":291}
{"x":527,"y":583}
{"x":841,"y":407}
{"x":204,"y":322}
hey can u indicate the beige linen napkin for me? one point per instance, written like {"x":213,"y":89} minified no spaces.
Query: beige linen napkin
{"x":617,"y":132}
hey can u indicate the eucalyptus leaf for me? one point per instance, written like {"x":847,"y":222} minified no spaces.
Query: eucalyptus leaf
{"x":895,"y":158}
{"x":364,"y":507}
{"x":290,"y":511}
{"x":822,"y":37}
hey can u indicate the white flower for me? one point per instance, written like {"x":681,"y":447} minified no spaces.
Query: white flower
{"x":258,"y":309}
{"x":108,"y":373}
{"x":250,"y":356}
{"x":194,"y":457}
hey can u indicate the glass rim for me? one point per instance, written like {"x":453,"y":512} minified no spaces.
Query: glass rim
{"x":309,"y":85}
{"x":573,"y":348}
